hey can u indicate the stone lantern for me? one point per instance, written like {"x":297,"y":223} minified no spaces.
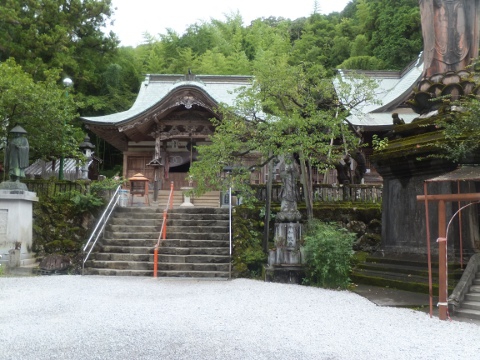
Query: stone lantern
{"x":87,"y":149}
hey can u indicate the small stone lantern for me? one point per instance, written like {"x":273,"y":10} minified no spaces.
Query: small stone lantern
{"x":87,"y":149}
{"x":139,"y":186}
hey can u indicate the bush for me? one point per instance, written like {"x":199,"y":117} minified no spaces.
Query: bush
{"x":248,"y":257}
{"x":328,"y":251}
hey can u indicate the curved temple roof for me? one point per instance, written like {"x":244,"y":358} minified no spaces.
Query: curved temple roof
{"x":394,"y":88}
{"x":221,"y":89}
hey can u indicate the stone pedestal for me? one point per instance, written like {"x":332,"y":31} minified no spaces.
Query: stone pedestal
{"x":186,"y":198}
{"x":285,"y":260}
{"x":16,"y":226}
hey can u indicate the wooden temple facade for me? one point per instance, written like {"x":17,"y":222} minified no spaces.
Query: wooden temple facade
{"x":170,"y":117}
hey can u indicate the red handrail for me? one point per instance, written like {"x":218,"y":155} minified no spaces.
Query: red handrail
{"x":163,"y":230}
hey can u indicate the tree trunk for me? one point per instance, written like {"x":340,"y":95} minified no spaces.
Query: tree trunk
{"x":266,"y":229}
{"x":307,"y":187}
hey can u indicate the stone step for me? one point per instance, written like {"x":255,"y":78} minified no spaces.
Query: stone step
{"x":475,"y":289}
{"x":396,"y":268}
{"x":103,"y":256}
{"x":166,"y":250}
{"x":138,"y":229}
{"x":472,"y":297}
{"x":198,"y":222}
{"x":127,"y":221}
{"x":170,"y":236}
{"x":194,"y":251}
{"x":147,"y":263}
{"x":120,"y":265}
{"x":472,"y":305}
{"x":172,"y":243}
{"x":197,"y":217}
{"x":118,"y":272}
{"x":197,"y":236}
{"x":186,"y":221}
{"x":412,"y":260}
{"x":174,"y":257}
{"x":185,"y":267}
{"x":200,"y":210}
{"x":211,"y":229}
{"x":394,"y":280}
{"x":182,"y":243}
{"x":132,"y":229}
{"x":199,"y":259}
{"x":468,"y":313}
{"x":193,"y":274}
{"x":127,"y":249}
{"x":148,"y":243}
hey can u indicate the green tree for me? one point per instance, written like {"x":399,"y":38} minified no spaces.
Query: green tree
{"x":42,"y":108}
{"x":287,"y":110}
{"x":392,"y":28}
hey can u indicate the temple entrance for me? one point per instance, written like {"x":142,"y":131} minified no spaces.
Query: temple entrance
{"x":179,"y":176}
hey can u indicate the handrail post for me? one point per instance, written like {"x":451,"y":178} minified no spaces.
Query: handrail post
{"x":164,"y":232}
{"x":155,"y":262}
{"x":171,"y":195}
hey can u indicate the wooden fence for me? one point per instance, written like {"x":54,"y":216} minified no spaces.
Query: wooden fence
{"x":51,"y":188}
{"x":328,"y":193}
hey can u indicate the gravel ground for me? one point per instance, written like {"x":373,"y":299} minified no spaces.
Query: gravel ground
{"x":75,"y":317}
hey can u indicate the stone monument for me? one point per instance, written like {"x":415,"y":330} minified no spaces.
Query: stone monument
{"x":285,"y":260}
{"x":16,"y":204}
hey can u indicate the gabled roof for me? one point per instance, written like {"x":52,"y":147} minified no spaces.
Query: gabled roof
{"x":394,"y":88}
{"x":221,"y":89}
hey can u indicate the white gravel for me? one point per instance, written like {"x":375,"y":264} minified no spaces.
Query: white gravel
{"x":74,"y":317}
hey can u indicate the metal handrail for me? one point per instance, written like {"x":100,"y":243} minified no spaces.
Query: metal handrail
{"x":163,"y":230}
{"x":100,"y":225}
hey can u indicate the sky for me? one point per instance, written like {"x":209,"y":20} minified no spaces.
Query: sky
{"x":133,"y":18}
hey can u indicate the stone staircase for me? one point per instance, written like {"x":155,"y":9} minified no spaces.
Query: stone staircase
{"x":408,"y":273}
{"x":197,"y":243}
{"x":469,"y":307}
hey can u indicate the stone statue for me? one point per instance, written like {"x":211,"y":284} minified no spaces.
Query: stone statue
{"x":288,"y":208}
{"x":397,"y":120}
{"x":450,"y":34}
{"x":344,"y":175}
{"x":361,"y":167}
{"x":17,"y":154}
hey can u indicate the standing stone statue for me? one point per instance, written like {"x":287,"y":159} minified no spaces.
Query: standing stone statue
{"x":450,"y":33}
{"x":17,"y":153}
{"x":289,"y":175}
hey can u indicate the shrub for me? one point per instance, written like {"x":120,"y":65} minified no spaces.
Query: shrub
{"x":248,"y":257}
{"x":328,"y":250}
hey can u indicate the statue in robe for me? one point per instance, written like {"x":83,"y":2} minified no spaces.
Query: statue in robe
{"x":288,"y":207}
{"x":17,"y":156}
{"x":450,"y":34}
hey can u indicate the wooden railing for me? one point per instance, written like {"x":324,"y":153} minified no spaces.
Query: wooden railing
{"x":327,"y":193}
{"x":51,"y":188}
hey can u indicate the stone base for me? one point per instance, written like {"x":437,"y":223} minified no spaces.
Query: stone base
{"x":16,"y":226}
{"x":285,"y":274}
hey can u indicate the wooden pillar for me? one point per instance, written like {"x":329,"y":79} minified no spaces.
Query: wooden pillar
{"x":156,"y":169}
{"x":442,"y":262}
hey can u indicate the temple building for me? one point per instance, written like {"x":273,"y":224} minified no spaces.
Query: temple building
{"x":170,"y":116}
{"x":172,"y":113}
